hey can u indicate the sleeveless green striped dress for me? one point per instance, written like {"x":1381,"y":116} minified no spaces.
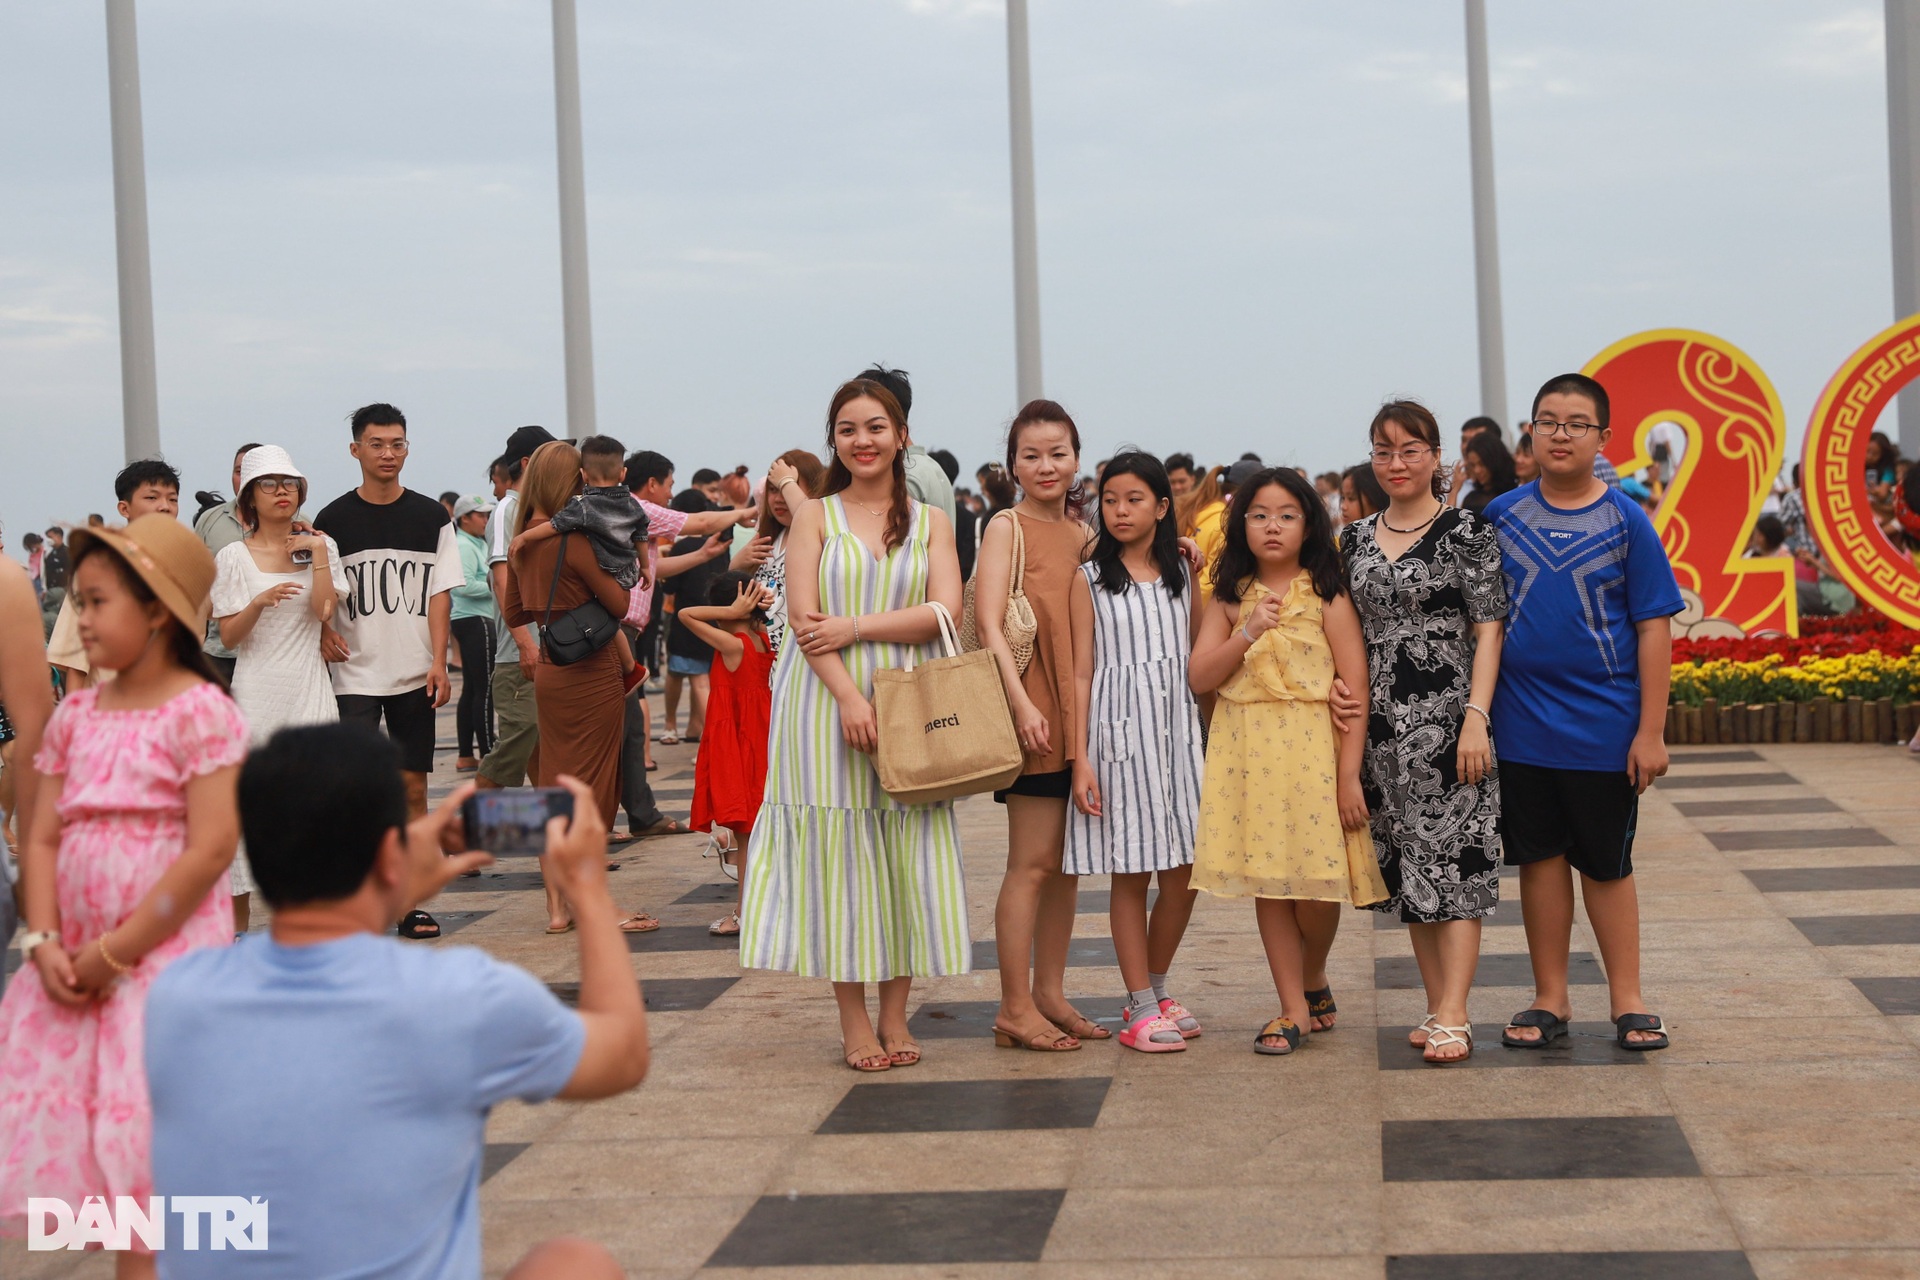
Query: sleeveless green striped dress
{"x":842,"y":883}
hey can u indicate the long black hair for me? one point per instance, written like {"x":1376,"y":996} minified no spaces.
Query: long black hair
{"x":1319,"y":554}
{"x":1110,"y":573}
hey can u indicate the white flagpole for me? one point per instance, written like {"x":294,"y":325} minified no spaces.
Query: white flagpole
{"x":1486,"y":229}
{"x":1026,"y":252}
{"x":139,"y":388}
{"x":576,"y":310}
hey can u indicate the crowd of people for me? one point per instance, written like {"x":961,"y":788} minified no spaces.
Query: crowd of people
{"x":1364,"y":689}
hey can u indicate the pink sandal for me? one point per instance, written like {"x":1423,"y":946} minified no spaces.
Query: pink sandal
{"x":1149,"y":1034}
{"x":1175,"y":1012}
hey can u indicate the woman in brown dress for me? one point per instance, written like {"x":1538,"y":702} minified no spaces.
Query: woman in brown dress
{"x":1036,"y":906}
{"x":582,"y":706}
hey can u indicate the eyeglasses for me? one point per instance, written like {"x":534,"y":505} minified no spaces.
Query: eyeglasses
{"x":394,"y":447}
{"x":1410,"y":455}
{"x":278,"y":484}
{"x":1574,"y":430}
{"x":1261,"y":519}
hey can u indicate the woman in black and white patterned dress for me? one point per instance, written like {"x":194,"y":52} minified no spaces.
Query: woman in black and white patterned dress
{"x":1426,"y":580}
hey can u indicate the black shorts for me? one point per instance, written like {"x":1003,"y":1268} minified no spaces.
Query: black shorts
{"x":1057,"y":785}
{"x":1583,"y":815}
{"x":409,"y":722}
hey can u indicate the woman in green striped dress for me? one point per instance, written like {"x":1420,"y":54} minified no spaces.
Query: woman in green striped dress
{"x":842,"y":883}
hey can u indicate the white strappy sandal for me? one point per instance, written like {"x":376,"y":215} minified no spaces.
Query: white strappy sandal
{"x":1441,"y":1036}
{"x":1427,"y":1025}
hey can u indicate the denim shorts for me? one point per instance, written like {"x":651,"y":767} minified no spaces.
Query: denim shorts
{"x":680,"y":666}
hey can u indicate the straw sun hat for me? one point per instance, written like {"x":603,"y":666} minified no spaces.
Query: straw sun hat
{"x":167,"y":556}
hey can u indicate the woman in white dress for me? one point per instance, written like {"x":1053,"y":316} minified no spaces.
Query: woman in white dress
{"x":273,"y":590}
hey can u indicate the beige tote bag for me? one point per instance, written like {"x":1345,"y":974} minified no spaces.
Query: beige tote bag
{"x":945,"y":728}
{"x":1019,"y":625}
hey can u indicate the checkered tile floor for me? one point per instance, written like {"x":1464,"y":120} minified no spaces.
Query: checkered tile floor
{"x":1779,"y":1137}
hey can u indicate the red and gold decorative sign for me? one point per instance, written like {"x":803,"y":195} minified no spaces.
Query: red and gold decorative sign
{"x":1736,"y":442}
{"x":1834,"y":460}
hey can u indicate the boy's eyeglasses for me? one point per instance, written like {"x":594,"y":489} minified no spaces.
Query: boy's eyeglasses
{"x":394,"y":447}
{"x":1574,"y":430}
{"x":278,"y":484}
{"x":1410,"y":455}
{"x":1261,"y":519}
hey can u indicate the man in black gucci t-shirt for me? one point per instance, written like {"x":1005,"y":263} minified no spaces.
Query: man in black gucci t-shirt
{"x":388,"y":642}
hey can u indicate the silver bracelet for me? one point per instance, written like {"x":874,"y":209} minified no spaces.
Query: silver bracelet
{"x":1483,"y":714}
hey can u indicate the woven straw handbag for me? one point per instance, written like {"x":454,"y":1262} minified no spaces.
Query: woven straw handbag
{"x":1018,"y":626}
{"x":945,"y":729}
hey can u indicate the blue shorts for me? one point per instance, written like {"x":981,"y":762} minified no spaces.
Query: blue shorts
{"x":680,"y":666}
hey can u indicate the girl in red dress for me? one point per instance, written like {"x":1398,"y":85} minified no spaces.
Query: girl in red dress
{"x":730,"y":775}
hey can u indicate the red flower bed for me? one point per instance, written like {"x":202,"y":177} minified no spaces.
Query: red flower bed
{"x":1862,"y":632}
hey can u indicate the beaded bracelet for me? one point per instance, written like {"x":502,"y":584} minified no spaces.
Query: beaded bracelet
{"x":115,"y":965}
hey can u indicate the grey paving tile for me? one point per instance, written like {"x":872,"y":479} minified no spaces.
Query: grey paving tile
{"x":710,"y":894}
{"x":1859,"y":931}
{"x":1824,"y":879}
{"x":661,"y":995}
{"x":1700,"y":781}
{"x":681,"y":937}
{"x":495,"y":882}
{"x":1895,"y":997}
{"x":1510,"y":1150}
{"x":1592,"y":1044}
{"x":966,"y":1019}
{"x":498,"y":1155}
{"x":1757,"y":807}
{"x":1791,"y":838}
{"x":1717,"y":757}
{"x":1670,"y":1265}
{"x":1498,"y":969}
{"x":452,"y":922}
{"x":903,"y":1229}
{"x":952,"y":1106}
{"x":1081,"y":951}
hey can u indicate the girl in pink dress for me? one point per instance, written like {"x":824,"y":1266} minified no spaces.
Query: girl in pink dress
{"x":125,"y":870}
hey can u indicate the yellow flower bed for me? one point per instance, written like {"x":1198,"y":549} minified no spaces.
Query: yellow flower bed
{"x":1857,"y":675}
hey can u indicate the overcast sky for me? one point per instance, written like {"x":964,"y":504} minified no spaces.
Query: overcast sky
{"x":1254,"y":218}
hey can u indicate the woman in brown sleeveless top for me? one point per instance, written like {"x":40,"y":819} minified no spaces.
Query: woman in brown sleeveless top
{"x":1035,"y":911}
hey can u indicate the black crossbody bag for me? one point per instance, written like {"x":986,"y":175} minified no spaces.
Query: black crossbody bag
{"x":581,"y":631}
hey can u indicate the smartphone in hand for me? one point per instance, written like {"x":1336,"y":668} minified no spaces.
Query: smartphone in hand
{"x":512,"y":821}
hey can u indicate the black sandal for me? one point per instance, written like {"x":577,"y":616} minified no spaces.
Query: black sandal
{"x":1285,"y":1029}
{"x":1549,"y":1024}
{"x":1320,"y":1005}
{"x":1630,"y":1022}
{"x":419,"y":926}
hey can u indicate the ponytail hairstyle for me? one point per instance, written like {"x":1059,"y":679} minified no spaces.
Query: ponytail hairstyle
{"x":899,"y":515}
{"x":1319,"y":553}
{"x":1032,"y":414}
{"x":1109,"y":572}
{"x":183,"y":643}
{"x":1188,"y":506}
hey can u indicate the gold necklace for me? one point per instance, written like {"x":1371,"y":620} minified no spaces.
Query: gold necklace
{"x":878,"y":515}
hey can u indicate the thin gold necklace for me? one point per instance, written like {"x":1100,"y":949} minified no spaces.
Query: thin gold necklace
{"x":880,"y":514}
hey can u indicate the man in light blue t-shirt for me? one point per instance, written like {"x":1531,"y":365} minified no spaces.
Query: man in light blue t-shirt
{"x":344,"y":1077}
{"x":1580,"y":711}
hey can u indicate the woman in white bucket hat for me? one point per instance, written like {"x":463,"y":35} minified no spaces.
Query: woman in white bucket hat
{"x":273,"y":590}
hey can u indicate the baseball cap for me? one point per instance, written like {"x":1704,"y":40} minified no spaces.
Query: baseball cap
{"x":1244,"y":470}
{"x":471,"y":503}
{"x":522,"y":443}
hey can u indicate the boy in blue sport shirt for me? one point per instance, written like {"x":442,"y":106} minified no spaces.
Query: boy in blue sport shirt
{"x":1579,"y":714}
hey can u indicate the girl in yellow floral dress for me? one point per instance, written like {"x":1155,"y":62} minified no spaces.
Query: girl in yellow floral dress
{"x":1282,"y":819}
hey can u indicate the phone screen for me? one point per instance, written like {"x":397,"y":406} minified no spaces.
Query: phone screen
{"x":513,"y":820}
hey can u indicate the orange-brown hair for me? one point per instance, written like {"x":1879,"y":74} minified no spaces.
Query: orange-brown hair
{"x":811,"y":474}
{"x":552,"y":476}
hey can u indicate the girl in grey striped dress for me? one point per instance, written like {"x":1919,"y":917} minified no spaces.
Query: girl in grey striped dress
{"x":1136,"y":779}
{"x":842,"y":883}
